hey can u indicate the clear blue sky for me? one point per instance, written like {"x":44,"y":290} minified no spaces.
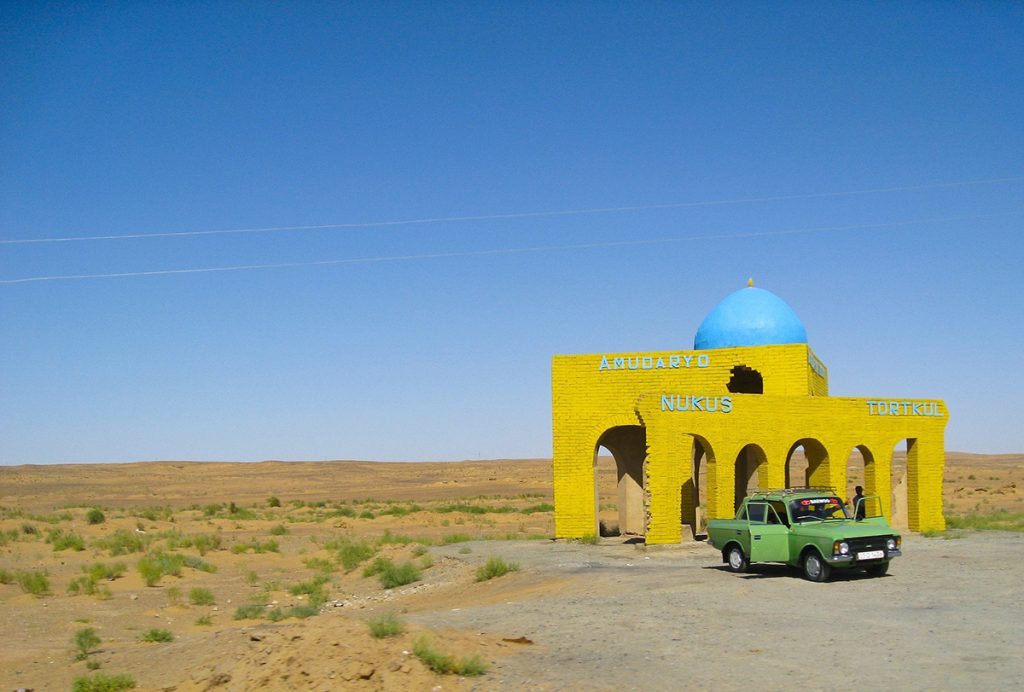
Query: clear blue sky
{"x":143,"y":118}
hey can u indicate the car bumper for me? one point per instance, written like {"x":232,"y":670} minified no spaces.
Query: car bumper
{"x":851,"y":560}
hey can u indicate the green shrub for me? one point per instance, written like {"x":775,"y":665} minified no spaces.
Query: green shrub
{"x":591,"y":539}
{"x":392,"y":575}
{"x":35,"y":582}
{"x":367,"y":514}
{"x":542,"y":507}
{"x":401,"y":510}
{"x":456,"y":538}
{"x":153,"y":567}
{"x":103,"y":683}
{"x":123,"y":542}
{"x":201,"y":597}
{"x":445,"y":663}
{"x":495,"y":567}
{"x":387,"y":625}
{"x":204,"y":543}
{"x":65,"y":540}
{"x":157,"y":636}
{"x":85,"y":641}
{"x":320,"y":564}
{"x":394,"y":539}
{"x":313,"y":589}
{"x":272,"y":501}
{"x":299,"y":611}
{"x":351,"y":553}
{"x":250,"y":611}
{"x":270,"y":546}
{"x":29,"y":529}
{"x":279,"y":530}
{"x":173,"y":596}
{"x":6,"y":577}
{"x":95,"y":516}
{"x":89,"y":582}
{"x":199,"y":564}
{"x":205,"y":621}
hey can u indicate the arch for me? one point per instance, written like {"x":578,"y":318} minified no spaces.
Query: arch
{"x":860,"y":470}
{"x":809,"y":468}
{"x":628,"y":446}
{"x":749,"y":461}
{"x":694,"y":495}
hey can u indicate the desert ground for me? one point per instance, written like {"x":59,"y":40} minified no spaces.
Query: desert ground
{"x":237,"y":576}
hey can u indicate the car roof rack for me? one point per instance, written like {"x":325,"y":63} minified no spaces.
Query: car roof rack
{"x":793,"y":491}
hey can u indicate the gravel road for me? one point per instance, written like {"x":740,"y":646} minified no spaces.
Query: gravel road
{"x":947,"y":616}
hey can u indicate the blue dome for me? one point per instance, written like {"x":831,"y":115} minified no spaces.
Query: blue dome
{"x":750,"y":317}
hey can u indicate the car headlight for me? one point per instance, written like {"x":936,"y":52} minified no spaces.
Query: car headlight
{"x":891,"y":544}
{"x":842,"y":548}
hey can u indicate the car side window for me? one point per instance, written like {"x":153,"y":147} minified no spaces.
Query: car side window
{"x":772,"y":517}
{"x":742,"y":514}
{"x":780,"y":512}
{"x":756,"y":512}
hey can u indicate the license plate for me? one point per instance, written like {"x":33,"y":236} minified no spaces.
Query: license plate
{"x":871,"y":555}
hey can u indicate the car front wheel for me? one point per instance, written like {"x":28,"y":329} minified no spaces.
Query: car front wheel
{"x":735,"y":559}
{"x":815,"y":568}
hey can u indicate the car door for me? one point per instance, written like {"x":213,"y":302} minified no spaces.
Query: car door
{"x":769,"y":537}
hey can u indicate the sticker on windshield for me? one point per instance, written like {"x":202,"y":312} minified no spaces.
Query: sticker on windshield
{"x":821,"y":501}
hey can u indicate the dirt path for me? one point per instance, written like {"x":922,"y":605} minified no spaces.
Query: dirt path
{"x":947,"y":616}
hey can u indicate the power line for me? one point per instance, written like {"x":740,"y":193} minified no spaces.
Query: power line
{"x":516,"y":215}
{"x":502,"y":251}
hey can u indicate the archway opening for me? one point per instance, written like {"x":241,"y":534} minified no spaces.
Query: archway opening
{"x":619,"y":481}
{"x":860,"y":471}
{"x":807,"y":464}
{"x":748,"y":463}
{"x":693,"y":509}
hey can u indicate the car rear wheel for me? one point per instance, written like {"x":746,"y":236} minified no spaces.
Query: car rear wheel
{"x":815,"y":568}
{"x":735,"y":558}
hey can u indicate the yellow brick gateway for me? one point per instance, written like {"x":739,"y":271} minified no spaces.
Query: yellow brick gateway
{"x":734,"y":409}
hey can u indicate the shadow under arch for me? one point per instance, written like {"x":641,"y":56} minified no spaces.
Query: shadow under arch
{"x":628,"y":446}
{"x":813,"y":464}
{"x":749,"y":461}
{"x":694,"y":493}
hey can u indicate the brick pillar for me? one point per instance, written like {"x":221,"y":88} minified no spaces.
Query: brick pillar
{"x":669,"y":460}
{"x":925,"y":460}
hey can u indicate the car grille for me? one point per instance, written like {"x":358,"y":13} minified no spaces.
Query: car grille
{"x":860,"y":545}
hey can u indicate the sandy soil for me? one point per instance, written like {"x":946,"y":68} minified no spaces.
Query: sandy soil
{"x":611,"y":615}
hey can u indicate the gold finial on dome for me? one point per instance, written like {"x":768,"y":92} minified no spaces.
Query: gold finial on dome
{"x":750,"y":282}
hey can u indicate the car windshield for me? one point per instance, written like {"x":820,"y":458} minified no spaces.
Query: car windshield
{"x":818,"y":508}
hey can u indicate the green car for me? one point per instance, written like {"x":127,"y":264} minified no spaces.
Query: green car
{"x":809,"y":528}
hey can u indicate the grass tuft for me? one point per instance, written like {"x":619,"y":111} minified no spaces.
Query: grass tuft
{"x":495,"y":567}
{"x":445,"y":663}
{"x":392,"y":575}
{"x":103,"y":683}
{"x":86,"y":640}
{"x":201,"y":597}
{"x":386,"y":625}
{"x":35,"y":582}
{"x":157,"y":636}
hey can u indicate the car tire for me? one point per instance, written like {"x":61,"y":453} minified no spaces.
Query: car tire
{"x":735,"y":560}
{"x":815,"y":567}
{"x":878,"y":570}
